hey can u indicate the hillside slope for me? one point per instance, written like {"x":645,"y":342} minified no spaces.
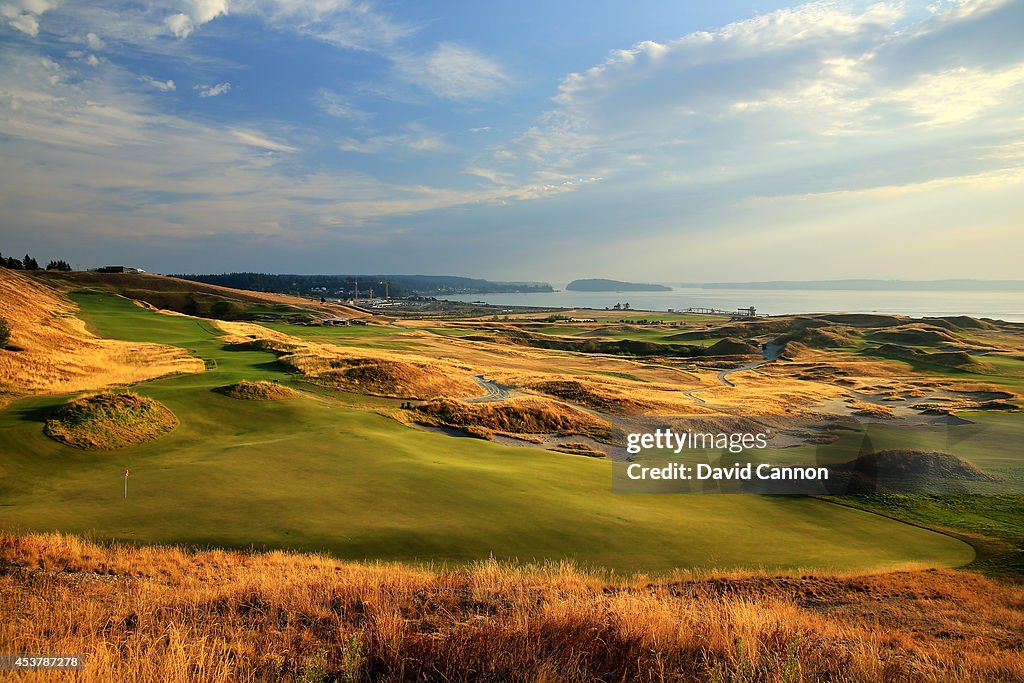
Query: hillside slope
{"x":148,"y":287}
{"x":51,"y":351}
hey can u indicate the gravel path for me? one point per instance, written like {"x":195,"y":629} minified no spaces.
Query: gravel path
{"x":495,"y":391}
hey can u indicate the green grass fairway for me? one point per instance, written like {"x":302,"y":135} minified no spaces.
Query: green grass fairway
{"x":317,"y":474}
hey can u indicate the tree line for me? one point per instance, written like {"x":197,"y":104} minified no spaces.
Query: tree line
{"x":345,"y":285}
{"x":29,"y":263}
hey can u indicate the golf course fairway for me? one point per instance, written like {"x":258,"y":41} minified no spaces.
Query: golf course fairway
{"x":325,"y":472}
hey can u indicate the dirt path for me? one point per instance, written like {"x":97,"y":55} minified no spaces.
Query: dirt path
{"x":768,"y":355}
{"x":495,"y":391}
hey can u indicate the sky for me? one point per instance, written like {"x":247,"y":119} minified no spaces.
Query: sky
{"x":656,"y":141}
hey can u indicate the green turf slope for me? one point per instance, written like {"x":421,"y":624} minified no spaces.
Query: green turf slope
{"x":316,"y":474}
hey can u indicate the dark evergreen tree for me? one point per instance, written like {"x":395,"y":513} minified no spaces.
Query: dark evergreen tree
{"x":15,"y":264}
{"x":30,"y":263}
{"x":62,"y":266}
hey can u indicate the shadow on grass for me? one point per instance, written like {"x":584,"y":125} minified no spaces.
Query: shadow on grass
{"x":36,"y":413}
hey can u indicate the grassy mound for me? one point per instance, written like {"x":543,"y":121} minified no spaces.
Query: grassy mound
{"x":522,"y":416}
{"x":618,"y":347}
{"x":926,"y":463}
{"x":916,"y":335}
{"x":818,"y":338}
{"x":865,"y":319}
{"x":963,"y":322}
{"x":257,"y":391}
{"x":588,"y":395}
{"x":730,"y":346}
{"x":386,"y":377}
{"x":106,"y":421}
{"x":959,"y":360}
{"x":386,"y":374}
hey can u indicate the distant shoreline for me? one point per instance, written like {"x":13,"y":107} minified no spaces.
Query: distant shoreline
{"x":951,"y":285}
{"x":995,"y":304}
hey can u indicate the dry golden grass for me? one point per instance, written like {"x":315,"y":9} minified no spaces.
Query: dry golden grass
{"x":106,"y":421}
{"x":165,"y":614}
{"x":162,"y":283}
{"x":869,"y":409}
{"x":441,"y":367}
{"x":376,"y":372}
{"x":528,"y":415}
{"x":756,"y":393}
{"x":51,"y":352}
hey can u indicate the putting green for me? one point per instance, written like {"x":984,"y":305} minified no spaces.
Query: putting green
{"x":318,"y":474}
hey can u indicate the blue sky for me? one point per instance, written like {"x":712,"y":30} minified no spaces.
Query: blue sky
{"x":657,"y":141}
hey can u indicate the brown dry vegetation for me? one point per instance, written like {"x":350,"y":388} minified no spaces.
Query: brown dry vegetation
{"x":105,"y":421}
{"x":593,"y":394}
{"x":51,"y":352}
{"x":756,"y":393}
{"x":598,"y":383}
{"x":166,"y":614}
{"x":869,"y":409}
{"x":529,"y":415}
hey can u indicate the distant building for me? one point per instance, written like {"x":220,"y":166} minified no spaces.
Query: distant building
{"x":749,"y":312}
{"x":117,"y":269}
{"x":583,"y":320}
{"x":335,"y":321}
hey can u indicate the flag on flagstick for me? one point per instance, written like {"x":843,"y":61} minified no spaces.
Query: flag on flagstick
{"x":125,"y":482}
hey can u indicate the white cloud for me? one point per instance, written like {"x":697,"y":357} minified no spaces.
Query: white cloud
{"x":165,"y":86}
{"x":94,"y":41}
{"x":212,"y":90}
{"x":339,"y":106}
{"x":428,"y":143}
{"x":854,"y":111}
{"x":256,"y":139}
{"x":490,"y":174}
{"x":180,"y":25}
{"x":98,"y":160}
{"x":958,"y":95}
{"x":415,"y":139}
{"x":23,"y":15}
{"x":26,"y":23}
{"x":826,"y":82}
{"x":455,"y":72}
{"x":352,"y":24}
{"x":204,"y":11}
{"x":200,"y":12}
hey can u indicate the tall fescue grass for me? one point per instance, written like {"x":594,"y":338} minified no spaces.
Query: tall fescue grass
{"x":50,"y":351}
{"x":167,"y":614}
{"x":376,"y":372}
{"x":529,"y":415}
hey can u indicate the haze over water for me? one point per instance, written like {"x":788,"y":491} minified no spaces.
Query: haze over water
{"x":986,"y":304}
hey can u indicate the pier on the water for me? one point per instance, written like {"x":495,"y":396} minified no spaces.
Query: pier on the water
{"x":750,"y":312}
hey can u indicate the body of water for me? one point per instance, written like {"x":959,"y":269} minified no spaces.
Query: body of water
{"x":994,"y":304}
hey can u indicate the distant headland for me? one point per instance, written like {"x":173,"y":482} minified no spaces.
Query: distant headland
{"x":602,"y":285}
